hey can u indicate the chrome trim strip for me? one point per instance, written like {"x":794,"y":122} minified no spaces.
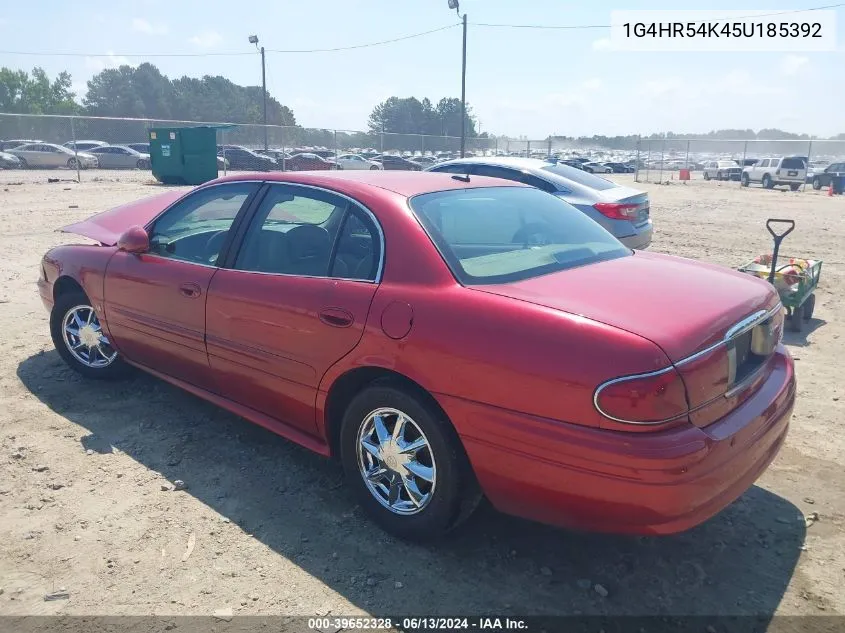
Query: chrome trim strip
{"x":735,"y":330}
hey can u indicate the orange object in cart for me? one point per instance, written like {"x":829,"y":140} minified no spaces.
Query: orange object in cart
{"x":683,"y":174}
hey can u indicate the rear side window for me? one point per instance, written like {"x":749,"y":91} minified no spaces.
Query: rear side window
{"x":495,"y":235}
{"x":792,"y":163}
{"x":512,"y":174}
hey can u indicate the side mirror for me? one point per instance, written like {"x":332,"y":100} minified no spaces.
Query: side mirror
{"x":134,"y":240}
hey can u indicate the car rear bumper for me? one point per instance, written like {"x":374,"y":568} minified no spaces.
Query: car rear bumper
{"x":641,"y":237}
{"x":643,"y":483}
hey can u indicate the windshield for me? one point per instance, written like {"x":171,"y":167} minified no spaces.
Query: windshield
{"x":494,"y":235}
{"x":581,"y":177}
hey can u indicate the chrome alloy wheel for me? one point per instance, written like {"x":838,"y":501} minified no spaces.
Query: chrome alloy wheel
{"x":85,"y":339}
{"x":396,"y":461}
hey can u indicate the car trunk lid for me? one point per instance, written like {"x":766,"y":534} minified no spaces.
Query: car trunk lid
{"x":681,"y":305}
{"x":108,"y":226}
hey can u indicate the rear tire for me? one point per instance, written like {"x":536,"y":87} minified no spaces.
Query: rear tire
{"x":373,"y":168}
{"x":817,"y":183}
{"x":142,"y":164}
{"x":443,"y":502}
{"x":706,"y":176}
{"x":106,"y":363}
{"x":794,"y":186}
{"x":71,"y":163}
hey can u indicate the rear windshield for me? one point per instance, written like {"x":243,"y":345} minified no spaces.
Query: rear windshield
{"x":581,"y":177}
{"x":792,"y":163}
{"x":494,"y":235}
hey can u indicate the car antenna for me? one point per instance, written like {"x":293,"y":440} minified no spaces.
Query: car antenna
{"x":464,"y":178}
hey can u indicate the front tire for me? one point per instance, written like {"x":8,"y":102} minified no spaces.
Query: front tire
{"x":373,"y":168}
{"x":405,"y":462}
{"x":71,"y":163}
{"x":796,"y":319}
{"x":79,"y":340}
{"x":719,"y":175}
{"x":142,"y":164}
{"x":743,"y":180}
{"x":706,"y":176}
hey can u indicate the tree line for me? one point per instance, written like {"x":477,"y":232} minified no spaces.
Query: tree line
{"x":143,"y":92}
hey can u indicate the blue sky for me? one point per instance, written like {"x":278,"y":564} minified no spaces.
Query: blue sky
{"x":519,"y":81}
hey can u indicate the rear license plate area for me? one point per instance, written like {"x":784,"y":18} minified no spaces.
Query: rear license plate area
{"x":792,"y":173}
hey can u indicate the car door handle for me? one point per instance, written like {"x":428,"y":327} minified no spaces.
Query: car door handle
{"x":336,"y":317}
{"x":190,"y":290}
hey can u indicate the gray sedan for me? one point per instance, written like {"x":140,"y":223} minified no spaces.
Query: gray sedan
{"x":120,"y":157}
{"x":623,"y":211}
{"x":50,"y":155}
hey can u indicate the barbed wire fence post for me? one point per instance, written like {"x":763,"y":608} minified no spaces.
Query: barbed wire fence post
{"x":637,"y":164}
{"x":75,"y":151}
{"x":809,"y":154}
{"x":744,"y":158}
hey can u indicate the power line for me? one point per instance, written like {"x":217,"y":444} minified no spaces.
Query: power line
{"x":607,"y":26}
{"x":231,"y":54}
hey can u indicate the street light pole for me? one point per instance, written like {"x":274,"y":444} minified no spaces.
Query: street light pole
{"x":253,"y":39}
{"x":454,"y":4}
{"x":464,"y":91}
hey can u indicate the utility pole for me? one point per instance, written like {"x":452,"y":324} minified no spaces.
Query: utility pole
{"x":454,"y":4}
{"x":253,"y":39}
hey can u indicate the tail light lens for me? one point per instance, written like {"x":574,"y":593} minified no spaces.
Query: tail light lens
{"x":617,"y":210}
{"x":652,"y":398}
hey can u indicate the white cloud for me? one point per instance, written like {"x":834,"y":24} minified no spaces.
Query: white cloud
{"x":110,"y":60}
{"x":143,"y":26}
{"x":602,"y":44}
{"x":593,"y":84}
{"x":207,"y":39}
{"x":793,"y":64}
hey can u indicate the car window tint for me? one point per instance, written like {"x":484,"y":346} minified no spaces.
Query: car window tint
{"x":358,"y":249}
{"x":457,"y":168}
{"x":292,"y":232}
{"x":196,"y":228}
{"x":792,"y":163}
{"x":764,"y":162}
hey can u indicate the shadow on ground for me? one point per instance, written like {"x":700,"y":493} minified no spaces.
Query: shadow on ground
{"x":740,"y":562}
{"x":799,"y":339}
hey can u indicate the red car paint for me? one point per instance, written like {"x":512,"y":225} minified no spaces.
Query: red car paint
{"x":514,"y":366}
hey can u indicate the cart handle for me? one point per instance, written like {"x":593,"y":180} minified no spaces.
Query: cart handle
{"x":777,"y":237}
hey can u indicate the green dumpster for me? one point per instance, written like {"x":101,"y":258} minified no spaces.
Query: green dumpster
{"x":184,"y":155}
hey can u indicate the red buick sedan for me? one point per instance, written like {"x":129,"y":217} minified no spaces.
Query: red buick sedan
{"x":446,"y":337}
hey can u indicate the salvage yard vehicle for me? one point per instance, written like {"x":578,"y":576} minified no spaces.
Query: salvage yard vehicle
{"x":623,"y":211}
{"x":50,"y":155}
{"x":722,"y":170}
{"x":770,"y":172}
{"x":361,"y":314}
{"x":120,"y":157}
{"x":824,"y":177}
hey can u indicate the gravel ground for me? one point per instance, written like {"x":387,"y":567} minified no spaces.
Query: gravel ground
{"x":88,"y":506}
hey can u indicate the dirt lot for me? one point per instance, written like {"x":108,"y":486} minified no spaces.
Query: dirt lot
{"x":266,"y":527}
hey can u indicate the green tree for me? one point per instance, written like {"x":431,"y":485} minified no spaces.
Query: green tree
{"x":413,"y":116}
{"x":23,"y":93}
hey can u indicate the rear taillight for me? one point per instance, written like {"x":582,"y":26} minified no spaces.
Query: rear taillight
{"x":617,"y":210}
{"x":652,"y":398}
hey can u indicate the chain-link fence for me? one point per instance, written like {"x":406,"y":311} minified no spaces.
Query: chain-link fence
{"x":281,"y":143}
{"x":658,"y":160}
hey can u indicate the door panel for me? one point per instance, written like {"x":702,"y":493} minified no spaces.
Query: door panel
{"x":272,"y":337}
{"x":155,"y":301}
{"x":153,"y":322}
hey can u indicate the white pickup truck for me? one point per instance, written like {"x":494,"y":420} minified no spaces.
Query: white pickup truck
{"x":787,"y":170}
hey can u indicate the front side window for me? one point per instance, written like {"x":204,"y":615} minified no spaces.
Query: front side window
{"x":502,"y":234}
{"x":195,"y":228}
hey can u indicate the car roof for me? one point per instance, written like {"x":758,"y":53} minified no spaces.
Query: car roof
{"x":404,"y":183}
